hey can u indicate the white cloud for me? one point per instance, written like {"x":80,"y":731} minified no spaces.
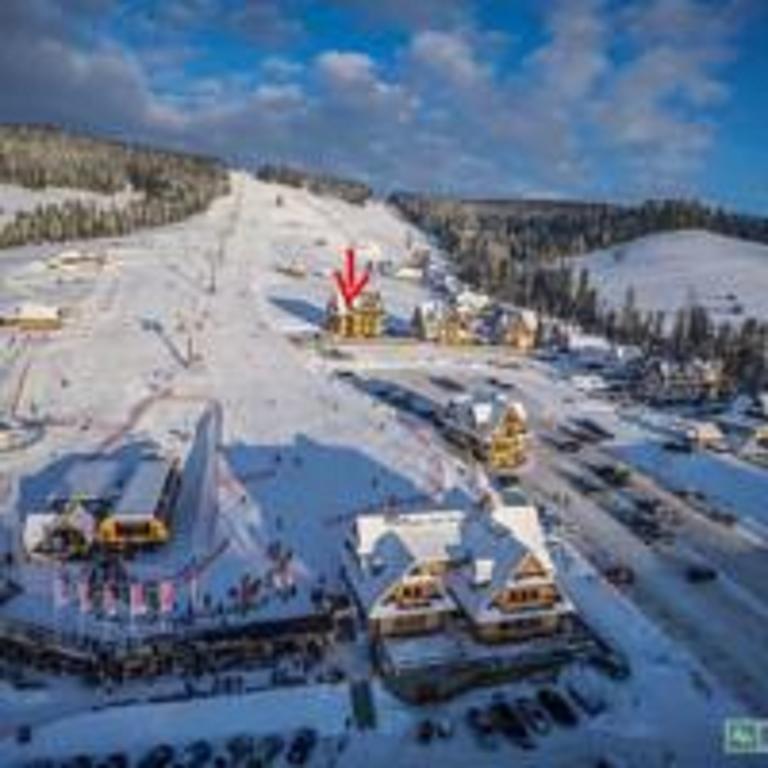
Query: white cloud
{"x":448,"y":56}
{"x":345,"y":68}
{"x":569,"y":65}
{"x":657,"y":109}
{"x":438,"y":112}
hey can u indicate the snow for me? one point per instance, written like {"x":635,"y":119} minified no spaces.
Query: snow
{"x":184,"y":347}
{"x":15,"y":199}
{"x":323,"y":707}
{"x":729,"y":483}
{"x":670,"y":270}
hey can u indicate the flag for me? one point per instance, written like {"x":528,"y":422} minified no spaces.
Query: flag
{"x":60,"y":590}
{"x":194,"y":590}
{"x":84,"y":596}
{"x":138,"y":605}
{"x":167,"y":596}
{"x":109,"y":599}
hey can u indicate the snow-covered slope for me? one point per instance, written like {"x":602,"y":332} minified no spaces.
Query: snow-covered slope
{"x":669,"y":270}
{"x":15,"y":199}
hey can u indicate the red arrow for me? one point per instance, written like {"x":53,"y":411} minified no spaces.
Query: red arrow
{"x":349,"y":284}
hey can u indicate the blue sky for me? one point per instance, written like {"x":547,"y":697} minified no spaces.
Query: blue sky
{"x":580,"y":98}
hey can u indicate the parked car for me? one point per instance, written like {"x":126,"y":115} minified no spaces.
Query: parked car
{"x":557,"y":707}
{"x":79,"y":761}
{"x":480,"y":721}
{"x":698,"y":574}
{"x":611,"y":664}
{"x":444,"y":728}
{"x":533,"y":715}
{"x":507,"y":722}
{"x":160,"y":756}
{"x":481,"y":725}
{"x":116,"y":760}
{"x":619,"y":574}
{"x":240,"y":747}
{"x":588,"y":700}
{"x":198,"y":754}
{"x":268,"y":749}
{"x":425,"y":731}
{"x":302,"y":746}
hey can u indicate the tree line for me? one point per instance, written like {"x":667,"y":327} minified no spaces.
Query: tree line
{"x":517,"y":251}
{"x":689,"y":333}
{"x":161,"y":186}
{"x":355,"y":192}
{"x":483,"y":235}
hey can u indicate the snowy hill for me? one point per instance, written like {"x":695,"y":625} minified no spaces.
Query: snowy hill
{"x":669,"y":270}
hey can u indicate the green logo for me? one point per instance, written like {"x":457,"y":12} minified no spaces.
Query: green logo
{"x":745,"y":736}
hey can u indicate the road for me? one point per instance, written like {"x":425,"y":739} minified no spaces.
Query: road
{"x":726,"y":635}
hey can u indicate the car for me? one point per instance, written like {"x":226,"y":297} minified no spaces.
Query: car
{"x":480,"y":721}
{"x":302,"y":746}
{"x":533,"y":715}
{"x":509,"y":723}
{"x":499,"y":384}
{"x":557,"y":707}
{"x":268,"y":749}
{"x":588,"y":701}
{"x":619,"y":574}
{"x":444,"y":728}
{"x":446,"y":383}
{"x":79,"y":761}
{"x":198,"y":754}
{"x":480,"y":724}
{"x":158,"y":757}
{"x":425,"y":731}
{"x":698,"y":574}
{"x":611,"y":664}
{"x":240,"y":747}
{"x":116,"y":760}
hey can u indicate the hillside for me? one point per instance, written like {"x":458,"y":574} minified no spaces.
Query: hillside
{"x":488,"y":238}
{"x":727,"y":276}
{"x":153,"y":186}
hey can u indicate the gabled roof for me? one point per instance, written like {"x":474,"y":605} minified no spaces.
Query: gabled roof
{"x":486,"y":550}
{"x":387,"y":546}
{"x":508,"y":537}
{"x":480,"y":412}
{"x":374,"y":574}
{"x":500,"y":554}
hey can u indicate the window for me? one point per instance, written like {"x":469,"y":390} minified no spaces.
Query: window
{"x":133,"y":530}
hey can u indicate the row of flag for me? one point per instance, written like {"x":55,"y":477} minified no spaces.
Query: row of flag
{"x":81,"y":595}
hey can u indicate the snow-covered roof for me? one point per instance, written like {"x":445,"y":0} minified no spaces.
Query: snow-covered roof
{"x":31,"y":311}
{"x":145,"y":487}
{"x":485,"y":549}
{"x":424,"y":535}
{"x":36,"y":528}
{"x":704,"y":430}
{"x":483,"y":412}
{"x":509,"y":314}
{"x":89,"y":479}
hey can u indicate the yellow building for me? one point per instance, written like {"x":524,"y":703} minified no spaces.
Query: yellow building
{"x":495,"y":430}
{"x":141,"y":516}
{"x":365,"y":320}
{"x":32,"y":317}
{"x":436,"y":321}
{"x":438,"y":571}
{"x":516,"y":329}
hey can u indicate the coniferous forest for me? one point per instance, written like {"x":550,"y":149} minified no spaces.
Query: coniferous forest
{"x":519,"y":251}
{"x":162,"y":186}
